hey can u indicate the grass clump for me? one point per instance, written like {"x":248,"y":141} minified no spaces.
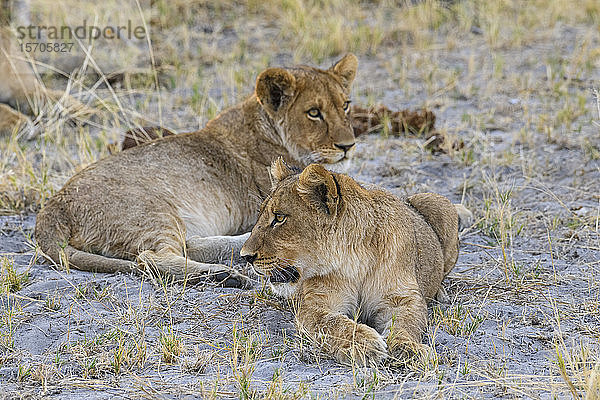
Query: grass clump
{"x":457,"y":320}
{"x":10,"y":280}
{"x":171,"y":346}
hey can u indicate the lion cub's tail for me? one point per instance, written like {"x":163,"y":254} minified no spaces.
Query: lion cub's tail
{"x":52,"y":234}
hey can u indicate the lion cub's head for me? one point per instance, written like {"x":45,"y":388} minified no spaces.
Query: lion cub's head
{"x":310,"y":108}
{"x":289,"y":241}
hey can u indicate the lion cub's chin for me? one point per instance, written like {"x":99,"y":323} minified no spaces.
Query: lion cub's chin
{"x":285,"y":290}
{"x":341,"y":167}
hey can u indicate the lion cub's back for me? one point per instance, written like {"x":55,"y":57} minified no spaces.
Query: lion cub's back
{"x":137,"y":199}
{"x":441,"y":215}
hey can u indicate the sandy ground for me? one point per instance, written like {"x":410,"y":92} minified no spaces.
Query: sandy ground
{"x":523,"y":317}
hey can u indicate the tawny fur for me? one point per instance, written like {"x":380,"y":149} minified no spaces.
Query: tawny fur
{"x":11,"y":120}
{"x":169,"y":202}
{"x":22,"y":94}
{"x":362,"y":264}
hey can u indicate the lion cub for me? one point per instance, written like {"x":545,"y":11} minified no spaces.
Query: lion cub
{"x":360,"y":263}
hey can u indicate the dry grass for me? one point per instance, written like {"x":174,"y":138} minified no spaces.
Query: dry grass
{"x":517,"y":81}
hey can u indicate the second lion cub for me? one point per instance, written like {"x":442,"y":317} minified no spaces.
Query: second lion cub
{"x":362,"y":264}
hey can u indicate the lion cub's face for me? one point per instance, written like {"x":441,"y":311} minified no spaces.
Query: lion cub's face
{"x":310,"y":107}
{"x":288,"y":242}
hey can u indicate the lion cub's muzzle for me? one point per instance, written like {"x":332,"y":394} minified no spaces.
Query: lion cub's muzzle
{"x":276,"y":274}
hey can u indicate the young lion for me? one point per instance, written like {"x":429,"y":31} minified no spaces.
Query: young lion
{"x":361,"y":263}
{"x":168,"y":202}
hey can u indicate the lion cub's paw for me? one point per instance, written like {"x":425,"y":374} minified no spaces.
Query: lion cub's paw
{"x":408,"y":349}
{"x":404,"y":349}
{"x":364,"y":346}
{"x":233,"y":279}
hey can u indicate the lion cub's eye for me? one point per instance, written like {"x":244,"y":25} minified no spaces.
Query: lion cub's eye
{"x":314,"y":113}
{"x":347,"y":106}
{"x":278,"y":219}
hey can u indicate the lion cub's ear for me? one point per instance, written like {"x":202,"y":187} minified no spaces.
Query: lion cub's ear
{"x":319,"y":189}
{"x":274,"y":88}
{"x":280,"y":170}
{"x":346,"y":69}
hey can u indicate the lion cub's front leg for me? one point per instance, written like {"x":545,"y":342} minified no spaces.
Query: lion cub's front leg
{"x":403,"y":319}
{"x":347,"y":340}
{"x":216,"y":249}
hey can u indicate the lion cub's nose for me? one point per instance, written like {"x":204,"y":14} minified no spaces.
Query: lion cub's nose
{"x":344,"y":147}
{"x":248,"y":257}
